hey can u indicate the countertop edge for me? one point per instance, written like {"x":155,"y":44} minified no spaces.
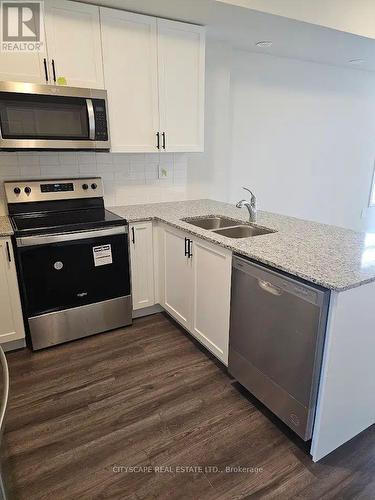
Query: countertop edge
{"x":321,"y":283}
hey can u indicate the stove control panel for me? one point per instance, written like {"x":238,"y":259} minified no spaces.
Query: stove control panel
{"x":53,"y":189}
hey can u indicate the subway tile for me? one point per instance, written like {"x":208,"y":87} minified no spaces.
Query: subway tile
{"x":88,"y":169}
{"x":29,"y":171}
{"x":27,"y":159}
{"x":9,"y":170}
{"x":86,"y":158}
{"x":51,"y":171}
{"x":10,"y":159}
{"x":68,"y":158}
{"x":104,"y":158}
{"x":49,"y":159}
{"x":120,"y":159}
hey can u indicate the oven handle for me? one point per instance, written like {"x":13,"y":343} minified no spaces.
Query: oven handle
{"x":46,"y":239}
{"x":91,"y":115}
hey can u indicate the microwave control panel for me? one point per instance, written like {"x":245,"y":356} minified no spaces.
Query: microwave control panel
{"x":101,"y":129}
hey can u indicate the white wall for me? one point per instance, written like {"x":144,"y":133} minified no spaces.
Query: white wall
{"x":303,"y":137}
{"x":352,"y":16}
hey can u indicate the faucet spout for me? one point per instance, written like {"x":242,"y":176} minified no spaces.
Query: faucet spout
{"x":250,"y":205}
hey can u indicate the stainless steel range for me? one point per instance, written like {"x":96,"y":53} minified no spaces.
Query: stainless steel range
{"x":72,"y":259}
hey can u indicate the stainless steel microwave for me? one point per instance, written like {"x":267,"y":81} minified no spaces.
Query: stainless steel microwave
{"x":49,"y":117}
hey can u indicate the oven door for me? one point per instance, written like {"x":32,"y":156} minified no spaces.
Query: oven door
{"x":71,"y":270}
{"x":45,"y":118}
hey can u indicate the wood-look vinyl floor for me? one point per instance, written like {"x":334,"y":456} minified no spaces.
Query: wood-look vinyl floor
{"x":149,"y":397}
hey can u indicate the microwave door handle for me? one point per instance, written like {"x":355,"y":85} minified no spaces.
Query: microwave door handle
{"x":90,"y":113}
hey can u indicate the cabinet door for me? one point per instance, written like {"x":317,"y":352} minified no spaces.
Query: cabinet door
{"x":130,"y":73}
{"x":142,"y":264}
{"x":212,"y":267}
{"x":29,"y":67}
{"x":11,"y":322}
{"x":74,"y":44}
{"x":177,"y":271}
{"x":181,"y":55}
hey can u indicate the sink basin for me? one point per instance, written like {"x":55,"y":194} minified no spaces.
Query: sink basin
{"x":242,"y":231}
{"x":211,"y":222}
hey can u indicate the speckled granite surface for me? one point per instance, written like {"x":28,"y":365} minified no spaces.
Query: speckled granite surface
{"x":5,"y":226}
{"x":330,"y":256}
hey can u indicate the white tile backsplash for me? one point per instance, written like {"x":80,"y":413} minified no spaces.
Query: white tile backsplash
{"x":127,"y":178}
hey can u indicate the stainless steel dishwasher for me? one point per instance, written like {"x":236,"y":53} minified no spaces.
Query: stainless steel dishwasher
{"x":277,"y":330}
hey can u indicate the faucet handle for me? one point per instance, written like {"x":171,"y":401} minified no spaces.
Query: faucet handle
{"x":253,"y":198}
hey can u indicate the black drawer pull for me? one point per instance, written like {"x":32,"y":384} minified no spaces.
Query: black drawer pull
{"x":190,"y":253}
{"x":45,"y":69}
{"x":8,"y":252}
{"x":133,"y":236}
{"x":53,"y":70}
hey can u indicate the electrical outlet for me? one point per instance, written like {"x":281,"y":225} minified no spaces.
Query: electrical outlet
{"x":165,"y":172}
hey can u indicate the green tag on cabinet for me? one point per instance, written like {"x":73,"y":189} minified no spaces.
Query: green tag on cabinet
{"x":61,"y":80}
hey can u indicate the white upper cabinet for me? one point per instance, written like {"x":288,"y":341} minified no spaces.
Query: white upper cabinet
{"x":28,"y":67}
{"x":154,"y":74}
{"x":130,"y":71}
{"x":23,"y":67}
{"x":181,"y":56}
{"x":74,"y":43}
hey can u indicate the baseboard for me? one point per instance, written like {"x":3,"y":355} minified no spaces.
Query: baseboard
{"x":14,"y":345}
{"x":146,"y":311}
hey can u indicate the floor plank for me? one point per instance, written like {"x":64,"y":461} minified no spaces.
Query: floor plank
{"x":149,"y":397}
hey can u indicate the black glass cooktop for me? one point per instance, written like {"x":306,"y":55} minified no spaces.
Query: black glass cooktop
{"x":66,"y":221}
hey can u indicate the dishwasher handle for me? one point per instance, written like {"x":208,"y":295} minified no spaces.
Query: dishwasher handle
{"x":266,"y":286}
{"x":277,"y":284}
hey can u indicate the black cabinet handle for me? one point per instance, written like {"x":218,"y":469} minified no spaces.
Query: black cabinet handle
{"x":163,"y":135}
{"x":45,"y":69}
{"x":158,"y":140}
{"x":190,"y":253}
{"x":186,"y":247}
{"x":133,"y":236}
{"x":53,"y":70}
{"x":8,"y":252}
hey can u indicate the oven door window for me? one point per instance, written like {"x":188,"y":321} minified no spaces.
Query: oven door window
{"x":66,"y":274}
{"x":25,"y":116}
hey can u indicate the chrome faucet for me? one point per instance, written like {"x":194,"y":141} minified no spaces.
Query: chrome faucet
{"x":250,"y":205}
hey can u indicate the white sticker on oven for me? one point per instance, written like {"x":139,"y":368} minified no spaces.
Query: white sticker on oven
{"x":102,"y":255}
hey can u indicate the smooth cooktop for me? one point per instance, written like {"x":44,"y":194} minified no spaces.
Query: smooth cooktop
{"x":65,"y":221}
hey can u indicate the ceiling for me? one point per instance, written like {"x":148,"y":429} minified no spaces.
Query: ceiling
{"x":243,"y":27}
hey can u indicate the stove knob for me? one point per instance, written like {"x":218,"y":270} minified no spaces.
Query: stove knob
{"x":27,"y":190}
{"x":94,"y":186}
{"x":85,"y":186}
{"x":16,"y":190}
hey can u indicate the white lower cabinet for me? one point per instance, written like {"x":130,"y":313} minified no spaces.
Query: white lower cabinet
{"x":212,"y":268}
{"x":195,"y":289}
{"x":142,"y":264}
{"x":11,"y":322}
{"x":177,"y":277}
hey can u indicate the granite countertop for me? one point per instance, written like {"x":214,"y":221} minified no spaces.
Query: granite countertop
{"x":330,"y":256}
{"x":5,"y":226}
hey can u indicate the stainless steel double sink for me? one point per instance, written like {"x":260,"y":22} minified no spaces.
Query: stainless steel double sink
{"x":230,"y":228}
